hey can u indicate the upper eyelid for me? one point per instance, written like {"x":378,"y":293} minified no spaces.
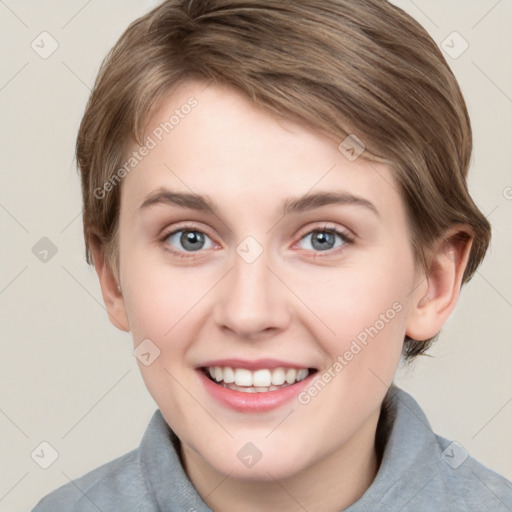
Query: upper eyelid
{"x":325,"y":227}
{"x":192,"y":227}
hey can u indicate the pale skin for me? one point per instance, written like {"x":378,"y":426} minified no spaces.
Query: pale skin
{"x":287,"y":304}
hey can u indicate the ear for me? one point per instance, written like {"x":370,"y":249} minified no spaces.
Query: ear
{"x":435,"y":300}
{"x":112,"y":295}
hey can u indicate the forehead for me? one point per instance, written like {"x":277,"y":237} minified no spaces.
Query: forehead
{"x":210,"y":140}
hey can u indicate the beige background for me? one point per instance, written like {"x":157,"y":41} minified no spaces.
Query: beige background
{"x":69,"y":378}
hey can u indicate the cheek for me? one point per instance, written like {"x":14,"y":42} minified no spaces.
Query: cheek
{"x":155,"y":308}
{"x":156,"y":296}
{"x":351,"y":301}
{"x":366,"y":308}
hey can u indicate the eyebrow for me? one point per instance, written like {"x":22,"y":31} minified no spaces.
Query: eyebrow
{"x":292,"y":205}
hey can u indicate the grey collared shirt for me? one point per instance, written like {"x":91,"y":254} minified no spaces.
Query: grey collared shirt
{"x":420,"y":472}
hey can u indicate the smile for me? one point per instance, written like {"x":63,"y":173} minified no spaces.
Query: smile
{"x":258,"y":381}
{"x":254,"y":386}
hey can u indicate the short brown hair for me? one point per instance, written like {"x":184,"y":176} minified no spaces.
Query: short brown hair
{"x":361,"y":67}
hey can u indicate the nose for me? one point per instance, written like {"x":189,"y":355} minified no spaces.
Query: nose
{"x":252,"y":302}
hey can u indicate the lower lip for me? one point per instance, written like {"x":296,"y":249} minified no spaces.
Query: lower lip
{"x":253,"y":402}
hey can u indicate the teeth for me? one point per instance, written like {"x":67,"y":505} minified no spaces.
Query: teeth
{"x":229,"y":375}
{"x":302,"y":374}
{"x":243,"y":377}
{"x":259,"y":380}
{"x":278,"y":376}
{"x":291,"y":376}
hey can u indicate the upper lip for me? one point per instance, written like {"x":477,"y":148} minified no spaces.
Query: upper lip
{"x":256,"y":364}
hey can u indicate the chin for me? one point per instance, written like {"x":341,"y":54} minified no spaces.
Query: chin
{"x":260,"y":472}
{"x":251,"y":464}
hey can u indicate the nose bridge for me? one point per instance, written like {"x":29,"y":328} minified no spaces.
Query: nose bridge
{"x":252,"y":299}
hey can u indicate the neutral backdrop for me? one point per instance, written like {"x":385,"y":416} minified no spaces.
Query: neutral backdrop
{"x":69,"y":378}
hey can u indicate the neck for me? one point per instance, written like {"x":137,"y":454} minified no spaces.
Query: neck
{"x":332,"y":484}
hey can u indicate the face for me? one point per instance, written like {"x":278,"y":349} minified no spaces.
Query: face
{"x":276,"y":304}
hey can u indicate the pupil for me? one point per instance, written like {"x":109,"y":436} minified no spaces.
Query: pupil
{"x":193,"y":238}
{"x":323,"y":238}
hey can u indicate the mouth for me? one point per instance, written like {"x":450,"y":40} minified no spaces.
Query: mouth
{"x":262,"y":380}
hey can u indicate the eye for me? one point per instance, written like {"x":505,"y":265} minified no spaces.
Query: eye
{"x":187,"y":239}
{"x":321,"y":240}
{"x":190,"y":239}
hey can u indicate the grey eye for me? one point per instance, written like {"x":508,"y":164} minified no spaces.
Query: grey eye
{"x":323,"y":240}
{"x":190,"y":240}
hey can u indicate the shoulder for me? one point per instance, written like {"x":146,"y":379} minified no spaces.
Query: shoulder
{"x":421,"y":471}
{"x":116,"y":485}
{"x":452,"y":475}
{"x":469,"y":483}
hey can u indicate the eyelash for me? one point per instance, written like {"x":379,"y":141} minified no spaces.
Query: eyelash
{"x":345,"y":237}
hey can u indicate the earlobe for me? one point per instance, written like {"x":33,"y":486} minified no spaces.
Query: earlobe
{"x":111,"y":291}
{"x":434,"y":302}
